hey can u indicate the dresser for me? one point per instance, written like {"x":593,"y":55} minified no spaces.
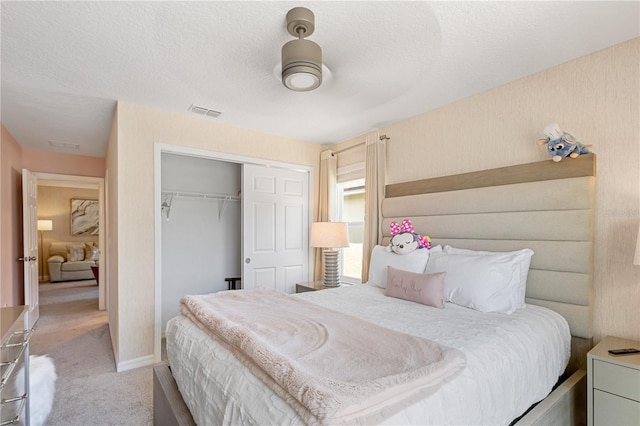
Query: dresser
{"x":613,"y":384}
{"x":14,"y":357}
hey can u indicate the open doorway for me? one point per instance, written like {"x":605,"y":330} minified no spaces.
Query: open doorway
{"x":73,"y":328}
{"x":71,"y":222}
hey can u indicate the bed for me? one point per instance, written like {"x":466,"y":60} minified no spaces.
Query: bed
{"x":476,"y":211}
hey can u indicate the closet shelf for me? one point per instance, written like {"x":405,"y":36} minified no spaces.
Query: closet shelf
{"x":222,"y":199}
{"x":207,"y":195}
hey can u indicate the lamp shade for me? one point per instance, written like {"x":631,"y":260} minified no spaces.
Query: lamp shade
{"x":329,"y":234}
{"x":636,"y":258}
{"x":45,"y":225}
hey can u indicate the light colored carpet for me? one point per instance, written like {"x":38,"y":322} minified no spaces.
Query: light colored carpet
{"x":75,"y":334}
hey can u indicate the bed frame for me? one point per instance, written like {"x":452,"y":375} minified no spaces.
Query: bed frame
{"x":545,"y":206}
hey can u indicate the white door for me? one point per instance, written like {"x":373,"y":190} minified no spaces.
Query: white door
{"x":30,"y":238}
{"x":275,"y":227}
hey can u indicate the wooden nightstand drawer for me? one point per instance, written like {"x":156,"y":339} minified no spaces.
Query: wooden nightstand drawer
{"x":617,"y":379}
{"x":614,"y":410}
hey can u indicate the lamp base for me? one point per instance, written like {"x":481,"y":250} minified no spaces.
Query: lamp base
{"x":331,"y":267}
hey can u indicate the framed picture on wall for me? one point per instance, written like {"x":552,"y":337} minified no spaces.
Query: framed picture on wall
{"x":84,"y":217}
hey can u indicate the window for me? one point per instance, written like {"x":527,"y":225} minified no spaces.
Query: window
{"x":351,"y":210}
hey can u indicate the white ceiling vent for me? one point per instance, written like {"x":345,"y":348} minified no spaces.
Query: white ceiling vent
{"x":204,"y":111}
{"x":66,"y":145}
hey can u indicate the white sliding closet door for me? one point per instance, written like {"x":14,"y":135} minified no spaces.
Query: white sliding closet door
{"x":275,"y":233}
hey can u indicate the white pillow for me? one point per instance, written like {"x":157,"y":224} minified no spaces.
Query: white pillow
{"x":485,"y":283}
{"x":415,"y":261}
{"x":521,"y":256}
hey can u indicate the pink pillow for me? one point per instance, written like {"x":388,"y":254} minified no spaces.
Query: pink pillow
{"x":427,"y":289}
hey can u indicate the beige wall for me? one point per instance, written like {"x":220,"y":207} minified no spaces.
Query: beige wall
{"x":54,"y":203}
{"x":11,"y":271}
{"x":68,"y":164}
{"x":596,"y":98}
{"x":138,"y":127}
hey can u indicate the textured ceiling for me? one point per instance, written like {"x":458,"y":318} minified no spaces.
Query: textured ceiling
{"x":64,"y":64}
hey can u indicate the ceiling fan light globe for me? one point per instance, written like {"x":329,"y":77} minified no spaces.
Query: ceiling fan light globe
{"x":301,"y":81}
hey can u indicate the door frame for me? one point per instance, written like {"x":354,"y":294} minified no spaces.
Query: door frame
{"x":165,"y":148}
{"x":73,"y":181}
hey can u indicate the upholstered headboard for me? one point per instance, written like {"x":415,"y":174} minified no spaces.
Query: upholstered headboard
{"x":545,"y":206}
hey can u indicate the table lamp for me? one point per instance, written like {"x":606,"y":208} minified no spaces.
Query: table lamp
{"x":330,"y":236}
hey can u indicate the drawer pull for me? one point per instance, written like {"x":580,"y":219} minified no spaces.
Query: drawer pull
{"x":27,"y":336}
{"x":14,"y":345}
{"x":17,"y":398}
{"x":12,"y":421}
{"x":15,"y":419}
{"x":11,"y":365}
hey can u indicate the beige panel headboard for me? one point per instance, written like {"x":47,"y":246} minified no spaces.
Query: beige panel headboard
{"x":545,"y":206}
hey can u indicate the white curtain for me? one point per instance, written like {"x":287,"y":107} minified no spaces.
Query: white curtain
{"x":374,"y":181}
{"x":327,"y":199}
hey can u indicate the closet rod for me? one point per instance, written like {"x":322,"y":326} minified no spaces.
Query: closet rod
{"x":202,"y":195}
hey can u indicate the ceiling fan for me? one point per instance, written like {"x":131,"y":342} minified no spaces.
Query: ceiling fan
{"x":301,"y":59}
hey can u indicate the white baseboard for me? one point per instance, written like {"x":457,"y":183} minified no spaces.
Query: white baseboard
{"x":131,"y":364}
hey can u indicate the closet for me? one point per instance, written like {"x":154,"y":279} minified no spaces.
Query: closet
{"x":221,"y":216}
{"x":201,"y":227}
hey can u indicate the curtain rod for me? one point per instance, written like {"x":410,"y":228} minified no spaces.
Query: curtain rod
{"x":382,"y":138}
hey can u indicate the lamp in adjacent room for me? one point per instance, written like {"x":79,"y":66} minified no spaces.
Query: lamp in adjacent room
{"x":330,"y":237}
{"x":636,"y":258}
{"x":43,"y":225}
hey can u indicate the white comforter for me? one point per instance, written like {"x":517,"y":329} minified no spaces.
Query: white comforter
{"x":512,"y":362}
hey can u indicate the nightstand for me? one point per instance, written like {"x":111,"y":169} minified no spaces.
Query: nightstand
{"x":613,"y":384}
{"x":310,"y":286}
